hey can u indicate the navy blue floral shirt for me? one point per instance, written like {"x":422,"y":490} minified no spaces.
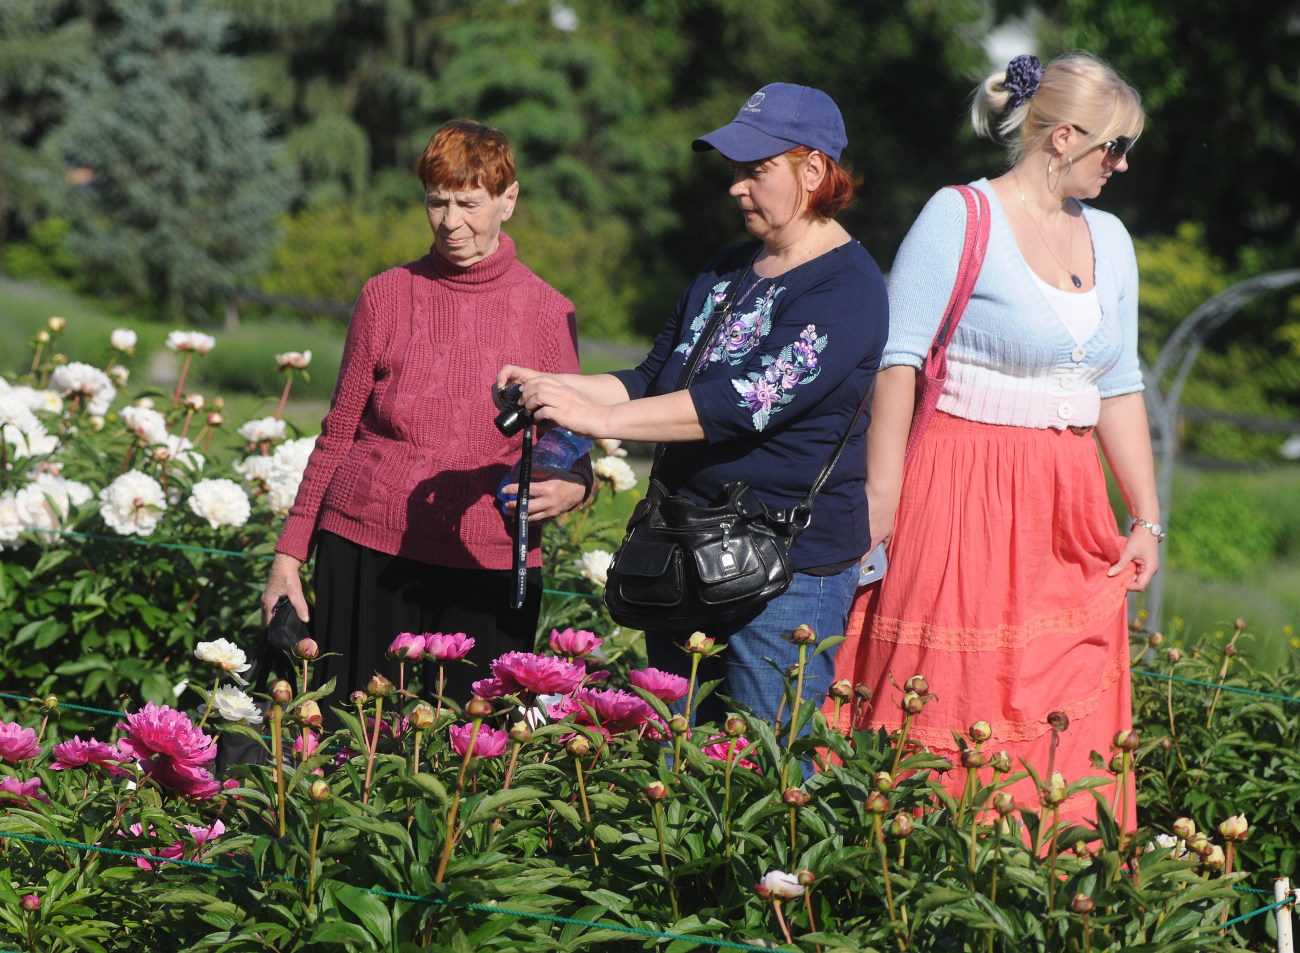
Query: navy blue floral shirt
{"x":778,"y":386}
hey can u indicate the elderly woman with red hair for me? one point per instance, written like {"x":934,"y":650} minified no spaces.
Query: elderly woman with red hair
{"x":398,"y":500}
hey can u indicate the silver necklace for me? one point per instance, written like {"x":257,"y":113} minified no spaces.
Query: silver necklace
{"x":1078,"y":282}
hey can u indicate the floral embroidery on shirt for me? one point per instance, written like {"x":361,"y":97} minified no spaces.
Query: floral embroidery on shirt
{"x":739,"y":333}
{"x":766,"y":393}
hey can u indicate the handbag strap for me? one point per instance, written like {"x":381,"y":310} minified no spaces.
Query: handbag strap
{"x":798,"y":516}
{"x":972,"y":260}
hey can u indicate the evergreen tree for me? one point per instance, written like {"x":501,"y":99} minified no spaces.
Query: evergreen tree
{"x":186,"y":186}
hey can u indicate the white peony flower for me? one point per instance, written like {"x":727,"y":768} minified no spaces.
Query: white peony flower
{"x":11,"y":527}
{"x":122,"y":339}
{"x":45,"y":400}
{"x":46,"y":501}
{"x":220,"y":502}
{"x":287,"y":466}
{"x":146,"y":423}
{"x":195,"y":341}
{"x":781,"y":885}
{"x":616,"y":471}
{"x":294,"y":359}
{"x":83,"y":380}
{"x":233,"y":704}
{"x":194,"y":402}
{"x":255,"y":471}
{"x":132,"y":504}
{"x":263,"y":430}
{"x":15,"y":412}
{"x":611,"y":447}
{"x":225,"y":655}
{"x":35,"y":442}
{"x":595,"y":565}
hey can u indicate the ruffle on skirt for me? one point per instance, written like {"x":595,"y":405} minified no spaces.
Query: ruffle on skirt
{"x":997,"y":593}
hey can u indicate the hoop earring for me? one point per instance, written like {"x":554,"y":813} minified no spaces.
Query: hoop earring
{"x":1054,"y":177}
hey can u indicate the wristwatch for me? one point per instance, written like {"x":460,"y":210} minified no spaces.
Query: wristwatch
{"x":1156,"y":529}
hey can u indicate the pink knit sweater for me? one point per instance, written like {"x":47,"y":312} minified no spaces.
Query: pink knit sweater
{"x":408,"y":459}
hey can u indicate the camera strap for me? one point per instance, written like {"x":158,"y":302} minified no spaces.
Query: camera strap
{"x":521,"y":520}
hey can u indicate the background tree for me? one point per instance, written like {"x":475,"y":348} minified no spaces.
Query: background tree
{"x":185,"y":186}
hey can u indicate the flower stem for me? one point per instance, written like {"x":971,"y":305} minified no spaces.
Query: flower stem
{"x":586,"y":808}
{"x":780,"y":918}
{"x":277,"y":755}
{"x":284,"y":397}
{"x":455,"y":801}
{"x":311,"y":868}
{"x":180,"y":383}
{"x":663,"y":859}
{"x":373,"y":745}
{"x":211,"y":698}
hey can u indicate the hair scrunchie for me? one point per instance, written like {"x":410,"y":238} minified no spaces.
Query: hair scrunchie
{"x":1023,"y":76}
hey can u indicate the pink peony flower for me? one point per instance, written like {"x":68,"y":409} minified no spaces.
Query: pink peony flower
{"x":489,"y":688}
{"x":449,"y":646}
{"x":17,"y":743}
{"x":539,"y":674}
{"x":719,"y":748}
{"x":310,"y":745}
{"x":174,"y":850}
{"x":574,"y":644}
{"x":202,"y":834}
{"x":488,"y":743}
{"x":159,"y":730}
{"x":662,"y":685}
{"x":407,"y":647}
{"x":84,"y":754}
{"x":187,"y":780}
{"x":12,"y":787}
{"x":615,"y":710}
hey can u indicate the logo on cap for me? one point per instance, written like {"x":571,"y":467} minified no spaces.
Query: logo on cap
{"x":756,"y":100}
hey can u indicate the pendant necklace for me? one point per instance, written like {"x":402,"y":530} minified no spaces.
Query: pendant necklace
{"x":1078,"y":282}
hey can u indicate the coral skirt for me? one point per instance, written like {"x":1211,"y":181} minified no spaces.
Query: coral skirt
{"x":997,"y":593}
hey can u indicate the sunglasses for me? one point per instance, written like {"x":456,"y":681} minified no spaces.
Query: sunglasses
{"x":1117,"y":147}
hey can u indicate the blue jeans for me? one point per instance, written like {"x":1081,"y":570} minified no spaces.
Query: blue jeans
{"x":821,"y":602}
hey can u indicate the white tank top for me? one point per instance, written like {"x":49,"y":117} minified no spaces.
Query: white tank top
{"x":1079,"y":312}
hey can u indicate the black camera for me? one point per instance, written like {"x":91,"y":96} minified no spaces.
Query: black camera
{"x":514,"y":416}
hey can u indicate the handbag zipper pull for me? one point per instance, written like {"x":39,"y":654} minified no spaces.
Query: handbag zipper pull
{"x":728,"y":558}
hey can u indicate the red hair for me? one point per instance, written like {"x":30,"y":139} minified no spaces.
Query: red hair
{"x":836,"y":189}
{"x":464,"y":154}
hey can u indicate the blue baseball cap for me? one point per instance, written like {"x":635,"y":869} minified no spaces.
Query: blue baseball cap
{"x":774,"y":120}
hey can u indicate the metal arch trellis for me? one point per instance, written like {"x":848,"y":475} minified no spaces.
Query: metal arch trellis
{"x":1181,"y":351}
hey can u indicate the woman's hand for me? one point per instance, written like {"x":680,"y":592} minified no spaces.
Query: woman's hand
{"x":1142,"y":552}
{"x":882,"y":511}
{"x":284,"y":580}
{"x":551,"y":493}
{"x":514,"y":374}
{"x":552,"y":400}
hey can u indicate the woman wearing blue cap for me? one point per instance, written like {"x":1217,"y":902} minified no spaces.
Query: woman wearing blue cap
{"x":777,"y":387}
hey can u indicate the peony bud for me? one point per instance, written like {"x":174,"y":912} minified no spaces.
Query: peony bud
{"x":913,"y":703}
{"x":1198,"y":843}
{"x":520,"y":733}
{"x":806,"y":877}
{"x":1235,"y":828}
{"x":194,"y":402}
{"x":1240,"y":625}
{"x":883,"y":782}
{"x":918,"y":684}
{"x":56,"y":324}
{"x":863,"y":691}
{"x":306,"y":648}
{"x":358,"y":698}
{"x":1214,"y":857}
{"x":282,"y":692}
{"x":902,"y":825}
{"x":1184,"y":828}
{"x":1155,"y":639}
{"x":802,"y":635}
{"x":478,"y":707}
{"x":734,"y":726}
{"x":796,"y":797}
{"x":31,"y":903}
{"x":1004,"y":803}
{"x":43,"y":337}
{"x":699,"y":643}
{"x":1054,"y":791}
{"x":1116,"y":763}
{"x":319,"y":790}
{"x":1001,"y":762}
{"x":309,"y":714}
{"x":972,"y":758}
{"x":1127,"y":739}
{"x":678,"y":725}
{"x":1082,"y":903}
{"x":422,"y":716}
{"x":379,"y":686}
{"x":50,"y":703}
{"x":578,"y":746}
{"x":876,"y":803}
{"x":1166,"y":743}
{"x":122,"y":339}
{"x":656,"y":791}
{"x":1058,"y":720}
{"x":96,"y":423}
{"x":1174,"y":656}
{"x":1230,"y":650}
{"x":215,"y":419}
{"x":841,"y":689}
{"x":980,"y":731}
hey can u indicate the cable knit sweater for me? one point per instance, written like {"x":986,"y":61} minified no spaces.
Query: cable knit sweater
{"x":1012,"y":361}
{"x":408,"y":459}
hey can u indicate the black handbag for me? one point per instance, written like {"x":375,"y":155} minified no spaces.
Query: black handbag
{"x":682,"y":565}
